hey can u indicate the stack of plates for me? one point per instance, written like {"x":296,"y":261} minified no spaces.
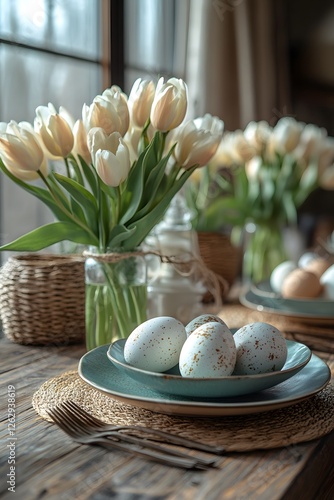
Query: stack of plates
{"x":261,"y":297}
{"x":303,"y":375}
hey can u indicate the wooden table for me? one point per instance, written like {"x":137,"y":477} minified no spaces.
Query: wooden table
{"x":49,"y":465}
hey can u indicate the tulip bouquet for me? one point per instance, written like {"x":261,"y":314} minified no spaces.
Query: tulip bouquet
{"x":108,"y":179}
{"x":258,"y":179}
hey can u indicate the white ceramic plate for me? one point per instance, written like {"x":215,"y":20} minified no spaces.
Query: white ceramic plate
{"x":96,"y":369}
{"x":172,"y":382}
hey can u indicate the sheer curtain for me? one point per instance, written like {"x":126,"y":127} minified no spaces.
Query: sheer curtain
{"x":232,"y":61}
{"x":228,"y":52}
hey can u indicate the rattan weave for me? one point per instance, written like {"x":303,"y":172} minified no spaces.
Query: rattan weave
{"x":284,"y":427}
{"x":221,"y":257}
{"x":42,"y":299}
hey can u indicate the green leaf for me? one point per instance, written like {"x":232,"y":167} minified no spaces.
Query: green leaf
{"x":268,"y":187}
{"x":289,"y":208}
{"x":144,"y":179}
{"x":50,"y":234}
{"x":104,"y":219}
{"x":90,"y":175}
{"x":119,"y":234}
{"x":145,"y":224}
{"x":151,"y":189}
{"x":308,"y":182}
{"x":83,"y":197}
{"x":242,"y":186}
{"x":152,"y":153}
{"x":154,"y":179}
{"x":58,"y":193}
{"x":131,"y":197}
{"x":79,"y":177}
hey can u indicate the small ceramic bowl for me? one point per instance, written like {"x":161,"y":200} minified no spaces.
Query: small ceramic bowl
{"x":171,"y":382}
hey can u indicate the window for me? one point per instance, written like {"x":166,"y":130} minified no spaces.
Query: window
{"x":155,"y":33}
{"x":50,"y":51}
{"x":68,"y":51}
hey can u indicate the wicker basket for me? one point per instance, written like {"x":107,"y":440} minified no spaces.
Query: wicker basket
{"x":219,"y":255}
{"x":42,"y":299}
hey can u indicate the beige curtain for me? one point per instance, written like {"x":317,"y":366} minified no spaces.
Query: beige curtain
{"x":236,"y":67}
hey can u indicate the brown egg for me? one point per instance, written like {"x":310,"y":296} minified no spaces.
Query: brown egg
{"x":318,"y":266}
{"x":301,"y":284}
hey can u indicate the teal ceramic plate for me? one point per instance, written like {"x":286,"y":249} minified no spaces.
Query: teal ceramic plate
{"x":315,"y":310}
{"x":172,"y":382}
{"x":96,"y":369}
{"x":317,"y":305}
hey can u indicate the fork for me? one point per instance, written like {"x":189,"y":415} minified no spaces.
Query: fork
{"x":94,"y":425}
{"x":86,"y":429}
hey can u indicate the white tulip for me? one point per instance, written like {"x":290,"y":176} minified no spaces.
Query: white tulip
{"x":20,"y":148}
{"x":80,"y":141}
{"x":223,"y":155}
{"x":257,"y":134}
{"x":54,"y":130}
{"x":253,"y":168}
{"x":96,"y":139}
{"x":131,"y":139}
{"x":197,"y":141}
{"x":109,"y":111}
{"x":112,"y":162}
{"x":169,"y":104}
{"x":310,"y":143}
{"x":241,"y":149}
{"x":285,"y":135}
{"x":113,"y":166}
{"x":140,"y":101}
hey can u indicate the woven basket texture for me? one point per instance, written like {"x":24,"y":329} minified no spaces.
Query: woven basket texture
{"x":310,"y":419}
{"x":221,"y":257}
{"x":42,"y":299}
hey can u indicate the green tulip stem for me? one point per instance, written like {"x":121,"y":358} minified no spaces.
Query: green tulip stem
{"x":264,"y":250}
{"x":68,"y":171}
{"x":113,"y":308}
{"x":102,"y":232}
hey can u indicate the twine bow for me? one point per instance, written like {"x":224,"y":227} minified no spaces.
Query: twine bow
{"x":185,"y":264}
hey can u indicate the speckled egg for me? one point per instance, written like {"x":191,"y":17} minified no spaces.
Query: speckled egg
{"x":279,"y":274}
{"x":208,"y":352}
{"x":155,"y":345}
{"x":261,"y":348}
{"x":201,"y":320}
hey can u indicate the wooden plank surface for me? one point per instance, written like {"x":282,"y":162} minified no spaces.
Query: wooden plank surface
{"x":49,"y":465}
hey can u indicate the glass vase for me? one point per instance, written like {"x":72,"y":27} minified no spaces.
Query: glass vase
{"x":263,"y":249}
{"x":116,"y":296}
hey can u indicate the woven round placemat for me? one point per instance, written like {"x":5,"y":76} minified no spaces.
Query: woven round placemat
{"x":302,"y":422}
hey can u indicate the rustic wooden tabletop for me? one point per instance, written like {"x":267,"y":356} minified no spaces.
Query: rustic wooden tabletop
{"x":39,"y":461}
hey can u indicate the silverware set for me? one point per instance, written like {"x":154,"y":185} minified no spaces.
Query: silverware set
{"x":153,"y":444}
